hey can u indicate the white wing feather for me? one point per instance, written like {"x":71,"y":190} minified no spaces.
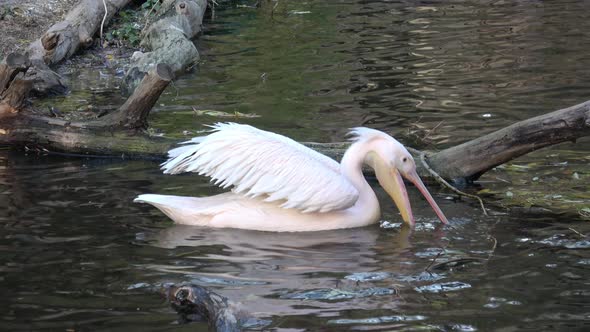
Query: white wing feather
{"x":261,"y":163}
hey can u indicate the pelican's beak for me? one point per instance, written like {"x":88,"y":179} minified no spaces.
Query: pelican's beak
{"x":415,"y":179}
{"x":390,"y":179}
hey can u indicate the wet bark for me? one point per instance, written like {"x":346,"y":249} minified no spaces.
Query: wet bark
{"x":134,"y":112}
{"x":196,"y":303}
{"x":12,"y":66}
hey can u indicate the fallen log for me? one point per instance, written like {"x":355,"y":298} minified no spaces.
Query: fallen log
{"x":464,"y":162}
{"x":468,"y":161}
{"x":120,"y":133}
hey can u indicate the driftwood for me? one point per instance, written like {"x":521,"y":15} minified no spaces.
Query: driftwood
{"x":134,"y":112}
{"x":196,"y":303}
{"x":468,"y":161}
{"x":119,"y":133}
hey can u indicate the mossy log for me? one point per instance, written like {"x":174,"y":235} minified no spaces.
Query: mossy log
{"x":120,"y":133}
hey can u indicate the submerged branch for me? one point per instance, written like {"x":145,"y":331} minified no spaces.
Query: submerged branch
{"x":196,"y":303}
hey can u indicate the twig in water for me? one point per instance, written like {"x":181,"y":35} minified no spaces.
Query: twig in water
{"x":272,"y":12}
{"x":575,"y":231}
{"x":493,"y":248}
{"x":457,"y":262}
{"x":104,"y":18}
{"x":443,"y":182}
{"x":428,"y":132}
{"x":213,"y":3}
{"x":442,"y":250}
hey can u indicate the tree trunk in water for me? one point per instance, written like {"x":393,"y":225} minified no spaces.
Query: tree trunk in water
{"x":468,"y":161}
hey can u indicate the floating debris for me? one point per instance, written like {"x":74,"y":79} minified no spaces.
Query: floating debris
{"x":443,"y":287}
{"x":378,"y":320}
{"x":221,"y":114}
{"x":495,"y":302}
{"x":229,"y":282}
{"x":368,"y":276}
{"x":462,"y":328}
{"x":422,"y":276}
{"x":138,"y":286}
{"x":559,"y":240}
{"x":331,"y":294}
{"x":389,"y":225}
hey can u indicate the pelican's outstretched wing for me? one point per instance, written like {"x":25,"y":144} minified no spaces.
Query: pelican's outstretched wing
{"x":261,"y":163}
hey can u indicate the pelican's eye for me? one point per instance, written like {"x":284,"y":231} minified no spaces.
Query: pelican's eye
{"x":404,"y":159}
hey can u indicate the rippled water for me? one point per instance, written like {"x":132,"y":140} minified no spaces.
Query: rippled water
{"x":76,"y":254}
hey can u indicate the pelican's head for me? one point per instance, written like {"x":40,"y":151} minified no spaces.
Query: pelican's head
{"x":392,"y":161}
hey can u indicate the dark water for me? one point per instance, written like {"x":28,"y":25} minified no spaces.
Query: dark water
{"x":77,"y":255}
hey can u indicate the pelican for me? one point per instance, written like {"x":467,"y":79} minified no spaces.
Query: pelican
{"x":281,"y":185}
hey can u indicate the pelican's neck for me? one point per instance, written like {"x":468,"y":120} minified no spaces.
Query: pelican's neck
{"x":352,"y":162}
{"x":351,"y":167}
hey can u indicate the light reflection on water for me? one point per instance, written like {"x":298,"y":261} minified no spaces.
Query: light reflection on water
{"x":76,"y":253}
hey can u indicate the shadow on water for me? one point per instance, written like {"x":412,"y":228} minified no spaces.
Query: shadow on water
{"x":76,"y":254}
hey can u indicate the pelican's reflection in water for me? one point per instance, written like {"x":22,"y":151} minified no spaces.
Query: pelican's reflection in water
{"x":270,"y":273}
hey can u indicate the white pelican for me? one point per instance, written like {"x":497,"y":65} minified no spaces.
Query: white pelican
{"x":281,"y":185}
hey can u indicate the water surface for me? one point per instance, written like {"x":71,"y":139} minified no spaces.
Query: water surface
{"x":76,"y":254}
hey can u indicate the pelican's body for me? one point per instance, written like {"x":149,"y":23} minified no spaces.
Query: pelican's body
{"x":281,"y":185}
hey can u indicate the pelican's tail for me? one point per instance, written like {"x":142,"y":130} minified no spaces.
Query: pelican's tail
{"x":181,"y":209}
